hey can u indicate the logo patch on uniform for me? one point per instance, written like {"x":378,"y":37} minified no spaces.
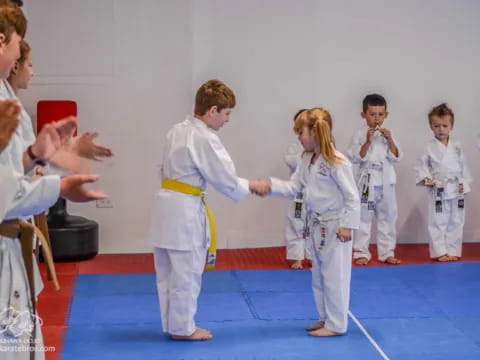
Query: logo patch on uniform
{"x":323,"y":169}
{"x":16,"y":294}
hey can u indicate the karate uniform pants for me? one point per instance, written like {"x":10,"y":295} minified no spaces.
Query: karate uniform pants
{"x":386,"y":213}
{"x":446,"y":229}
{"x":331,"y":273}
{"x":179,"y":280}
{"x":297,"y":248}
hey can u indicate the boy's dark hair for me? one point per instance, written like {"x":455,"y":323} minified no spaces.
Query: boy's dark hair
{"x":12,"y":20}
{"x":373,"y":100}
{"x":441,"y":111}
{"x":213,"y":93}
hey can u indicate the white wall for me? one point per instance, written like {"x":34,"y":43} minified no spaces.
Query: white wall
{"x":136,"y":76}
{"x":128,"y":66}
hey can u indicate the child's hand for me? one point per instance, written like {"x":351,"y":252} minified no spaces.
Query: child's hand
{"x":52,"y":137}
{"x":344,"y":234}
{"x":85,"y":146}
{"x":387,"y":134}
{"x":38,"y":171}
{"x":9,"y":111}
{"x":72,"y":188}
{"x":370,"y":134}
{"x":428,"y":182}
{"x":259,"y":187}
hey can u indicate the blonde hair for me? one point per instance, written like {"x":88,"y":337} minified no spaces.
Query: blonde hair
{"x":318,"y":120}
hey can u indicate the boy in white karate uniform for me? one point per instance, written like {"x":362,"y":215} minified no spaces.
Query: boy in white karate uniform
{"x":443,"y":169}
{"x":375,"y":150}
{"x":179,"y":230}
{"x":297,"y":250}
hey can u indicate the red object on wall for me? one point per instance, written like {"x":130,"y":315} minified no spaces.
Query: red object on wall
{"x":53,"y":110}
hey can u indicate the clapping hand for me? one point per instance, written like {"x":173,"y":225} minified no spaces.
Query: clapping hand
{"x":9,"y":111}
{"x":52,"y":137}
{"x":85,"y":147}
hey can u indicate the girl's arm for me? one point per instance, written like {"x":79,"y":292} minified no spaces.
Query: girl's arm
{"x":343,"y":175}
{"x":216,"y":166}
{"x":290,"y":188}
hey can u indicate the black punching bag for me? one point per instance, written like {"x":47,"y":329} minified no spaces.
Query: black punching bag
{"x":73,"y":238}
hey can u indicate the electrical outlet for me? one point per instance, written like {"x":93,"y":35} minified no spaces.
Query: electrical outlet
{"x":104,"y":203}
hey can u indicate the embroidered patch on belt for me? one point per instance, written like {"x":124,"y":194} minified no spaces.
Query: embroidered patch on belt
{"x":16,"y":294}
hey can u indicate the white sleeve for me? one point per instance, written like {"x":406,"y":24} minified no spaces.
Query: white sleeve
{"x":33,"y":198}
{"x":466,"y":174}
{"x":289,"y":188}
{"x":422,"y":168}
{"x":214,"y":163}
{"x":346,"y":183}
{"x":391,"y":157}
{"x":8,"y":188}
{"x":353,"y":152}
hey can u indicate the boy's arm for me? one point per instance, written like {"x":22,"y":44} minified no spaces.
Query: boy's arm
{"x":358,"y":147}
{"x":422,"y":169}
{"x":33,"y":198}
{"x":214,"y":163}
{"x":394,"y":153}
{"x":466,"y":174}
{"x":346,"y":183}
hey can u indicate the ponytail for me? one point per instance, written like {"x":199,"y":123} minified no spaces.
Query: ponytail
{"x":319,"y":121}
{"x":324,"y":140}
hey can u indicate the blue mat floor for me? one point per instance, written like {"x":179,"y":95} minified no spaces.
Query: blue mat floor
{"x":411,"y":312}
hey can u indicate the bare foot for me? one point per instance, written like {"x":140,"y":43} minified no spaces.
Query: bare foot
{"x":361,"y":261}
{"x":443,"y":258}
{"x":323,"y":332}
{"x":454,"y":258}
{"x":297,"y":264}
{"x":392,"y":260}
{"x":315,"y":326}
{"x":198,"y":334}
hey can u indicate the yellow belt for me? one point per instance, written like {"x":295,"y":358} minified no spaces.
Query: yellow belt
{"x":188,"y":189}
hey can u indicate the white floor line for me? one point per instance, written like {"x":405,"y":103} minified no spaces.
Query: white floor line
{"x":365,"y":332}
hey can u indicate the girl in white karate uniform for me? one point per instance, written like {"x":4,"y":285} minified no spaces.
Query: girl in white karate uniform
{"x":443,"y":169}
{"x":333,"y":211}
{"x":179,"y":231}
